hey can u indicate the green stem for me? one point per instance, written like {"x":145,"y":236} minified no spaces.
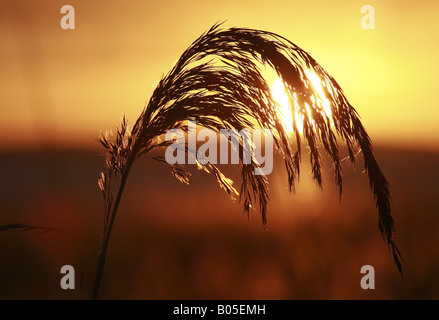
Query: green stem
{"x":101,"y":263}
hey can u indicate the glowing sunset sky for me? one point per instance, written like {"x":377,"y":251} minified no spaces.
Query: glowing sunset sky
{"x":64,"y":86}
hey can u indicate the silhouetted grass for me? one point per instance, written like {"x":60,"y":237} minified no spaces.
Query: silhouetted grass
{"x":217,"y":83}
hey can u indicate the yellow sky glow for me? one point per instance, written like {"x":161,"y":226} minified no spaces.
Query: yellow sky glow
{"x":62,"y":87}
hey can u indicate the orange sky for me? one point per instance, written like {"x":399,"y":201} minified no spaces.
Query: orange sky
{"x":64,"y":86}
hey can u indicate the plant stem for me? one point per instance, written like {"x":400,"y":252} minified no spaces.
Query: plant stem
{"x":106,"y":240}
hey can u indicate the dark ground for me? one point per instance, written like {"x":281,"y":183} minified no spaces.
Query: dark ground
{"x":173,"y":241}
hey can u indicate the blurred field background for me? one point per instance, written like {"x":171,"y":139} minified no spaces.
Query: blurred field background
{"x":173,"y":241}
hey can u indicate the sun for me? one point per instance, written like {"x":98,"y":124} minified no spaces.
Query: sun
{"x":283,"y":105}
{"x":284,"y":109}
